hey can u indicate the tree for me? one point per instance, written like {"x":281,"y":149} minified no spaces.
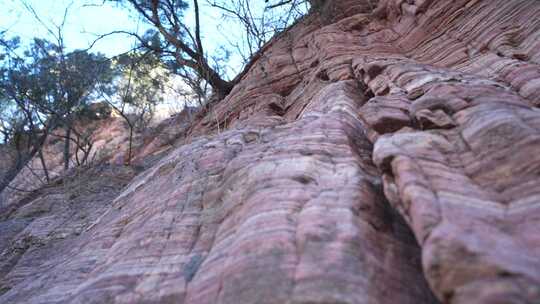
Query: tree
{"x":68,"y":79}
{"x":135,"y":90}
{"x":65,"y":84}
{"x":258,"y":23}
{"x":180,"y":41}
{"x":41,"y":90}
{"x":24,"y":131}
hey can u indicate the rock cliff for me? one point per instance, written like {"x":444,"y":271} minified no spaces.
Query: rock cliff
{"x":376,"y":152}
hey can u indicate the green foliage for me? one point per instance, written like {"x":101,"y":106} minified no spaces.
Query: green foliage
{"x":65,"y":83}
{"x":48,"y":82}
{"x":42,"y":87}
{"x":180,"y":44}
{"x":137,"y":86}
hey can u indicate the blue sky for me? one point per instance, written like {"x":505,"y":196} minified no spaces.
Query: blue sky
{"x":85,"y":21}
{"x":89,"y":18}
{"x":82,"y":24}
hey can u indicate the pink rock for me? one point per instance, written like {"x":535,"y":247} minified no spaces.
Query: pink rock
{"x":384,"y":157}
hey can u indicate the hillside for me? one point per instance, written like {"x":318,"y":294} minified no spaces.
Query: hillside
{"x":376,"y":152}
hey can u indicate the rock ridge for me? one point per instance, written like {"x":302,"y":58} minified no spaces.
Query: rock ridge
{"x":380,"y":152}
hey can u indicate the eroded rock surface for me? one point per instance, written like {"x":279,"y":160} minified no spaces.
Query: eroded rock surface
{"x":375,"y":153}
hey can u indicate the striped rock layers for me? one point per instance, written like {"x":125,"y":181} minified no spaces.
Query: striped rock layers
{"x":376,"y":152}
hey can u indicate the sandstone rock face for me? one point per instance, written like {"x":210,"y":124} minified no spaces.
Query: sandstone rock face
{"x":109,"y":135}
{"x":109,"y":142}
{"x":375,"y":153}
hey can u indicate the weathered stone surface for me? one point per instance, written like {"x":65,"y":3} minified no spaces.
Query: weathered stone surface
{"x":301,"y":186}
{"x":41,"y":230}
{"x":257,"y":215}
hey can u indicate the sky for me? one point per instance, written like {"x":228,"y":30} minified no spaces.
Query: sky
{"x":89,"y":18}
{"x":82,"y":25}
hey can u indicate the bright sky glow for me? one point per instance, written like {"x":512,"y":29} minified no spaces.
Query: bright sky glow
{"x":83,"y":23}
{"x":87,"y":19}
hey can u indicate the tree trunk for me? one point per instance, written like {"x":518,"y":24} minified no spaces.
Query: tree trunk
{"x":220,"y":86}
{"x":87,"y":153}
{"x":66,"y":148}
{"x":21,"y":160}
{"x":12,"y":173}
{"x":316,"y":4}
{"x":130,"y":145}
{"x":44,"y":165}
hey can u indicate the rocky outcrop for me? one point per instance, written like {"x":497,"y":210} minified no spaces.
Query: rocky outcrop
{"x":375,"y":153}
{"x":108,"y":135}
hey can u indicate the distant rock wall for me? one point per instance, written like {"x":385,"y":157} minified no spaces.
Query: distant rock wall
{"x":109,"y":135}
{"x":368,"y":156}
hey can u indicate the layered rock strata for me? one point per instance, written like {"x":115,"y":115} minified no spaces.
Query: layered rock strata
{"x":375,"y":153}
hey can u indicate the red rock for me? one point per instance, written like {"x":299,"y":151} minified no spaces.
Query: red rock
{"x":301,"y":186}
